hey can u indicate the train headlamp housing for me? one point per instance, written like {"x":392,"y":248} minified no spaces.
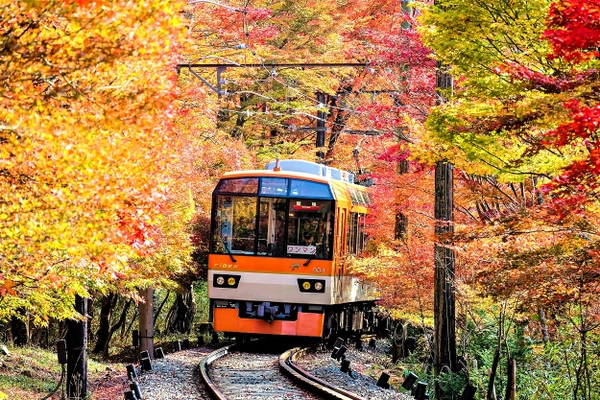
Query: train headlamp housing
{"x":311,"y":285}
{"x":226,"y":281}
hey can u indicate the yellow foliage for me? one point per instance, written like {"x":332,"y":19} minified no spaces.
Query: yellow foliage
{"x":88,"y":153}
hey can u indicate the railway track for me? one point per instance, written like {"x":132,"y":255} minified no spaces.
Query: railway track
{"x":250,"y":373}
{"x":230,"y":374}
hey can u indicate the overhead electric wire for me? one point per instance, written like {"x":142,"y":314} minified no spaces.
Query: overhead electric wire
{"x":270,"y":68}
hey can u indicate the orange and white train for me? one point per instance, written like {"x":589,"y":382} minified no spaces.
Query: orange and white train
{"x":280,"y":238}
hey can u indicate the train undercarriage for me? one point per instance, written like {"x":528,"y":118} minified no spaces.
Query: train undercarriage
{"x":251,"y":319}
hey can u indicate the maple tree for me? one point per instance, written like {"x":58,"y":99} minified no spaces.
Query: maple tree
{"x":88,"y":152}
{"x":401,"y":224}
{"x":522,"y":112}
{"x":520,"y":125}
{"x":264,"y":104}
{"x":274,"y":110}
{"x":109,"y":153}
{"x":574,"y":32}
{"x":514,"y":119}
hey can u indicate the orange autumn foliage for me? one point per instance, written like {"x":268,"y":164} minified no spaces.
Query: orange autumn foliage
{"x":88,"y":150}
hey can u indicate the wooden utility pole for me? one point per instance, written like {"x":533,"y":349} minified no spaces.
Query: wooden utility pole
{"x":321,"y":127}
{"x":76,"y":341}
{"x":146,"y":322}
{"x":511,"y":384}
{"x":444,"y":358}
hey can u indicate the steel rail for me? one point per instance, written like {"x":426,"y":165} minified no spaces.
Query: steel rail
{"x":287,"y":363}
{"x":288,"y":366}
{"x":206,"y":362}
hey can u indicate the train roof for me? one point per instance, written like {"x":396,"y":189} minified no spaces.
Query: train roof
{"x":299,"y":169}
{"x":340,"y":181}
{"x":312,"y":168}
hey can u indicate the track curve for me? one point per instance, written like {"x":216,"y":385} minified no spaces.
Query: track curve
{"x":211,"y":388}
{"x":287,"y":362}
{"x":229,"y":374}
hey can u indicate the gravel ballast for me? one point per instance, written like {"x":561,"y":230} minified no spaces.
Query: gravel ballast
{"x":176,"y":376}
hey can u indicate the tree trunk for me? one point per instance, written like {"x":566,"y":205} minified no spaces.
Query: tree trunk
{"x":113,"y":329}
{"x":341,"y":118}
{"x":108,"y":303}
{"x":320,"y":128}
{"x":146,"y":322}
{"x":338,"y":118}
{"x":444,"y":303}
{"x":76,"y":341}
{"x":162,"y":304}
{"x":401,"y":226}
{"x":18,"y":331}
{"x":126,"y":329}
{"x":511,"y":384}
{"x":491,"y":392}
{"x":444,"y":358}
{"x":182,"y":312}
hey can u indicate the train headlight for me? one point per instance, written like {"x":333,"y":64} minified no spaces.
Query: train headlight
{"x":311,"y":285}
{"x":226,"y":281}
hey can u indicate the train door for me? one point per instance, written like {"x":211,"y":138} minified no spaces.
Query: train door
{"x":343,"y":239}
{"x":341,"y":245}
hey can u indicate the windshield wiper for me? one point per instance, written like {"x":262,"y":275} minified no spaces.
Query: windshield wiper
{"x":227,"y":249}
{"x":309,"y":260}
{"x":312,"y":257}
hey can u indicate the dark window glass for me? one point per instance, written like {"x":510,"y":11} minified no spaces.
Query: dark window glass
{"x":310,"y":229}
{"x":273,"y":187}
{"x":355,"y":239}
{"x":358,"y":196}
{"x":238,"y":185}
{"x":351,"y":237}
{"x":365,"y":197}
{"x":235,"y":225}
{"x":271,"y":227}
{"x":315,"y":190}
{"x":355,"y":195}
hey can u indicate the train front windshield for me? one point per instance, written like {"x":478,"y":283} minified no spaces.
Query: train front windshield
{"x":273,"y":217}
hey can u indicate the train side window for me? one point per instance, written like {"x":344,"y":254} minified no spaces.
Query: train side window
{"x":355,"y":241}
{"x":358,"y":196}
{"x":352,"y":233}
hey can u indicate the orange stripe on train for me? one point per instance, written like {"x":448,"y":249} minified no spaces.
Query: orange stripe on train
{"x":222,"y":262}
